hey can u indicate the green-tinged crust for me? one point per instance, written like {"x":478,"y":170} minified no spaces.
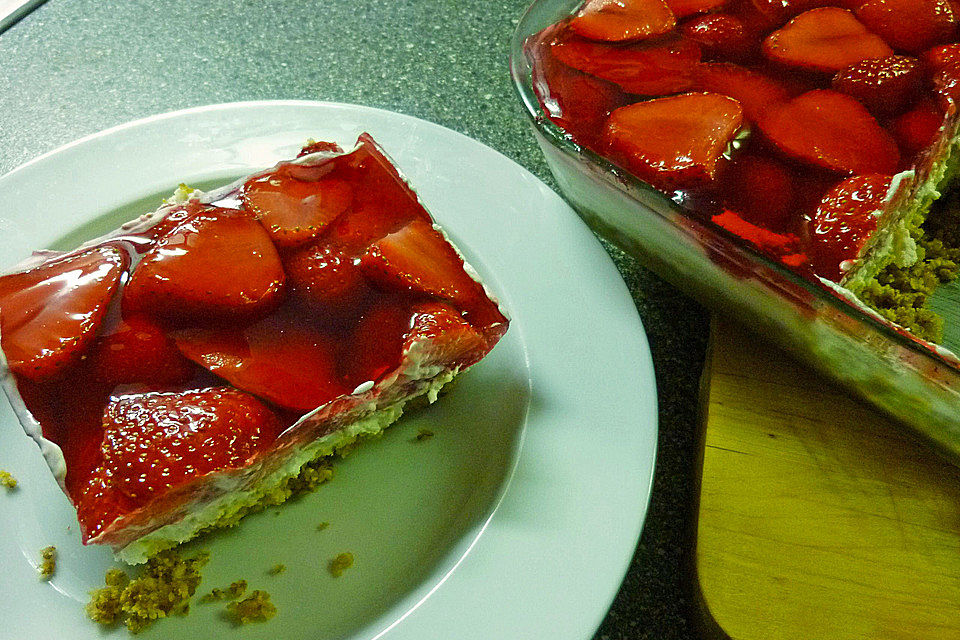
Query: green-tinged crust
{"x":234,"y":591}
{"x":254,"y":608}
{"x":165,"y":587}
{"x":900,"y":294}
{"x":305,"y":470}
{"x":919,"y":251}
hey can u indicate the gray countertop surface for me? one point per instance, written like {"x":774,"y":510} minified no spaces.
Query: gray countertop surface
{"x":75,"y":67}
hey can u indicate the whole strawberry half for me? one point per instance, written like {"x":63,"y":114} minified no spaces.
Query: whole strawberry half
{"x":156,"y":442}
{"x":621,"y":20}
{"x":50,"y":314}
{"x":885,"y":86}
{"x":846,"y":217}
{"x":216,"y":265}
{"x":675,"y":142}
{"x":825,"y":39}
{"x":833,"y":131}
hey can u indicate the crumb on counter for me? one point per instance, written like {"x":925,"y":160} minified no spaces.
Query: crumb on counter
{"x":48,"y":564}
{"x":340,"y":564}
{"x":322,"y":526}
{"x":423,"y":434}
{"x":7,"y":480}
{"x":165,"y":586}
{"x":254,"y":608}
{"x":277,"y":569}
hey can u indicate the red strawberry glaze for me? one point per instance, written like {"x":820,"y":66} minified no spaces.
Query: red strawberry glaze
{"x":829,"y":90}
{"x":236,"y":321}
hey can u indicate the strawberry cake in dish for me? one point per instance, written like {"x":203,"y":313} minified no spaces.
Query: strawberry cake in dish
{"x":206,"y":358}
{"x":821,"y":132}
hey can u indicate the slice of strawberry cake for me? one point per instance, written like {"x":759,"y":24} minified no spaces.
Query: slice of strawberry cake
{"x":205,"y":359}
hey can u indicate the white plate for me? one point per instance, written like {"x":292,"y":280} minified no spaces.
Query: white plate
{"x":516,"y":520}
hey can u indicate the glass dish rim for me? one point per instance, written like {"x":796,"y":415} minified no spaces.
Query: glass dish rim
{"x":521,"y":74}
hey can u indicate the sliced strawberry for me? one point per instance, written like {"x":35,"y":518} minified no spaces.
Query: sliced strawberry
{"x":439,"y":335}
{"x":138,"y":352}
{"x":647,"y":69}
{"x":319,"y":146}
{"x":846,"y":217}
{"x":383,"y":202}
{"x":683,"y":8}
{"x":831,"y":130}
{"x":721,"y":36}
{"x":760,"y":189}
{"x":156,"y":442}
{"x":674,"y":142}
{"x":940,"y":57}
{"x":621,"y":20}
{"x":418,"y":258}
{"x":573,"y":100}
{"x":326,"y":277}
{"x":295,"y":203}
{"x":219,"y":264}
{"x":825,"y":39}
{"x":285,"y":358}
{"x":885,"y":86}
{"x":909,"y":25}
{"x":50,"y":313}
{"x":755,"y":92}
{"x":916,"y":129}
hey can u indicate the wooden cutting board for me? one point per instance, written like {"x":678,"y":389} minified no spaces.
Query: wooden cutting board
{"x":818,"y":518}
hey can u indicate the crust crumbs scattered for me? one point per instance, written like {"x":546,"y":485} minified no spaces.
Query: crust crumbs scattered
{"x":7,"y":480}
{"x":254,"y":608}
{"x":340,"y":564}
{"x":322,"y":526}
{"x":423,"y":434}
{"x":277,"y":569}
{"x":49,"y":564}
{"x":166,"y":585}
{"x":234,"y":591}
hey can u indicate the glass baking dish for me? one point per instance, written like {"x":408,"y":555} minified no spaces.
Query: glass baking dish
{"x":913,"y":381}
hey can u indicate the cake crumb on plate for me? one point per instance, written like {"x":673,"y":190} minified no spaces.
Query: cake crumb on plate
{"x":48,"y":566}
{"x":340,"y":564}
{"x":254,"y":608}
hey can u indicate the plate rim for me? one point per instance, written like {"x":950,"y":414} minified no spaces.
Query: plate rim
{"x":644,"y":369}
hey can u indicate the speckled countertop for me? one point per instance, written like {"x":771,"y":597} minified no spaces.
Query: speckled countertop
{"x":74,"y":67}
